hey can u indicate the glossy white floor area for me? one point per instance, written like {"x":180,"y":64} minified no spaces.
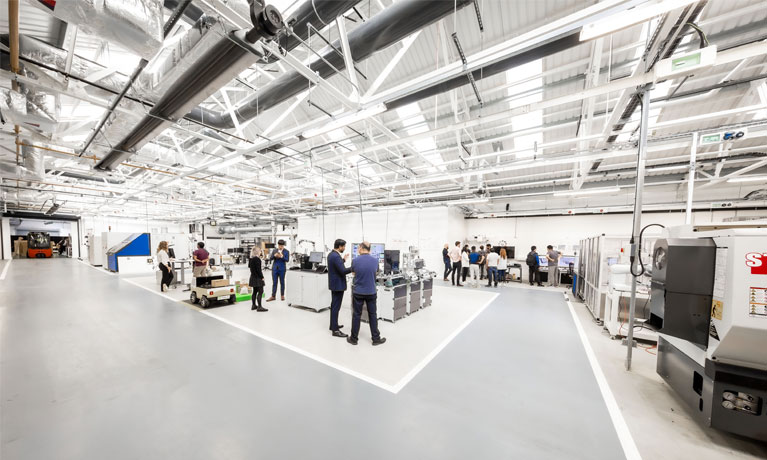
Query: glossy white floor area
{"x":411,"y":342}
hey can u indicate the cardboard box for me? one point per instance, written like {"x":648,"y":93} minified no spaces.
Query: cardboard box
{"x":219,"y":283}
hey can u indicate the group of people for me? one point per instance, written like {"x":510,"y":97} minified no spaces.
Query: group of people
{"x":364,"y":267}
{"x":534,"y":265}
{"x":475,"y":264}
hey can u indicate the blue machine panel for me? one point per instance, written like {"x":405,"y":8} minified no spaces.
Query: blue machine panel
{"x":138,"y":244}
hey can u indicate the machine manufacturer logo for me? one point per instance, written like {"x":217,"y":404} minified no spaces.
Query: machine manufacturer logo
{"x":758,"y":262}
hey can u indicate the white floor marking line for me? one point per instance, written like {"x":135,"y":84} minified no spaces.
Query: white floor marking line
{"x":154,"y":291}
{"x":624,"y":435}
{"x":319,"y":359}
{"x":99,"y":269}
{"x":5,"y":270}
{"x":419,"y":367}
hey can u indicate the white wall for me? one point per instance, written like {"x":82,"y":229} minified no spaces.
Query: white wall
{"x":5,"y":238}
{"x":523,"y":232}
{"x":427,"y":229}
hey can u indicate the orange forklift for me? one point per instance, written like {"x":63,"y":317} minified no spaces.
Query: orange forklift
{"x":39,"y":245}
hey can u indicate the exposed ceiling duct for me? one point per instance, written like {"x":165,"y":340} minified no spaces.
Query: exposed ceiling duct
{"x":136,"y":24}
{"x":218,"y":66}
{"x":234,"y":230}
{"x":381,"y":31}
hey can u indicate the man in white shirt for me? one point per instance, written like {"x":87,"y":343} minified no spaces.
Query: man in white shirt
{"x":492,"y":268}
{"x":455,"y":257}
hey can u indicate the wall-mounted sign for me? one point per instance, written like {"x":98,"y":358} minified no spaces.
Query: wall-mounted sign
{"x":723,"y":136}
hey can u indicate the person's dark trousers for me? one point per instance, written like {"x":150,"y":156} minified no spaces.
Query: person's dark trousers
{"x":370,"y":301}
{"x":278,"y":274}
{"x":534,"y":275}
{"x":447,"y":268}
{"x":258,"y":293}
{"x":465,"y":273}
{"x":456,"y":272}
{"x":481,"y":271}
{"x":167,"y":275}
{"x":336,"y":297}
{"x":492,"y":276}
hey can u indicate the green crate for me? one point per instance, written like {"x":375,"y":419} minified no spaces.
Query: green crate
{"x":243,"y":297}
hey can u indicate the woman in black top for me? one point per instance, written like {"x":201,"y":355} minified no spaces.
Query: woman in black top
{"x":256,"y":278}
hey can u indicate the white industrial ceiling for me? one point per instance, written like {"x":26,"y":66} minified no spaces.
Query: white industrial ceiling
{"x":536,"y":161}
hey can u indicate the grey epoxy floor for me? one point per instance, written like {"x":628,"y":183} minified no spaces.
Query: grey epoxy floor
{"x":93,"y":367}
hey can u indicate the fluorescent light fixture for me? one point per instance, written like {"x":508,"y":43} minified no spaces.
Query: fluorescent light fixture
{"x":667,"y":168}
{"x":227,"y":163}
{"x":630,"y":17}
{"x":591,"y":191}
{"x":762,"y":179}
{"x":344,"y":120}
{"x":470,"y":201}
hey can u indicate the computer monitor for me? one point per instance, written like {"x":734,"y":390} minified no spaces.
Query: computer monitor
{"x":315,"y":257}
{"x":542,"y":260}
{"x":565,"y":261}
{"x":418,"y":264}
{"x":391,"y":261}
{"x":376,"y":250}
{"x":171,"y":253}
{"x":269,"y":245}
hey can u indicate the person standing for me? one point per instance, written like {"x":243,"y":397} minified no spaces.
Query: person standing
{"x":337,"y":272}
{"x":481,"y":263}
{"x":201,"y":258}
{"x":553,"y":257}
{"x":163,"y":262}
{"x":455,"y":258}
{"x":533,"y":267}
{"x":365,"y":268}
{"x":464,"y":263}
{"x":446,"y":260}
{"x":256,"y":279}
{"x":492,"y":267}
{"x":474,"y":258}
{"x":279,"y":257}
{"x":503,"y":265}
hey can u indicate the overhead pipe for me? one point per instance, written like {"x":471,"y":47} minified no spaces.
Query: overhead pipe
{"x":169,"y":24}
{"x":215,"y":68}
{"x":381,"y":31}
{"x":13,"y":30}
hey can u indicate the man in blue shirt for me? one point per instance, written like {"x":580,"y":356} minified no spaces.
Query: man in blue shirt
{"x":337,"y":272}
{"x":365,"y":268}
{"x":279,"y":257}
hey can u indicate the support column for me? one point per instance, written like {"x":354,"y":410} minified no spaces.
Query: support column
{"x":641,"y":155}
{"x":691,"y":178}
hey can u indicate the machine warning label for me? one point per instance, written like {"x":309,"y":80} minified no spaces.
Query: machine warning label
{"x":716,"y":309}
{"x":757,"y":302}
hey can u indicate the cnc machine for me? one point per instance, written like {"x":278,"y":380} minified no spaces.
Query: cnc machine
{"x":709,"y":303}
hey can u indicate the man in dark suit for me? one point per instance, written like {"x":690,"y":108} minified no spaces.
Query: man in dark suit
{"x":337,"y":272}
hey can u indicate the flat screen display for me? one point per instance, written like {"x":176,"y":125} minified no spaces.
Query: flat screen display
{"x":376,"y":250}
{"x":315,"y":257}
{"x":542,"y":260}
{"x":565,"y":261}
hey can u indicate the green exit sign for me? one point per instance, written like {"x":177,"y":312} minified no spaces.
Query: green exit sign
{"x":711,"y":139}
{"x":683,"y":62}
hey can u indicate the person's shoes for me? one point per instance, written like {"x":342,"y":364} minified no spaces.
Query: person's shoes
{"x":453,"y":284}
{"x":445,"y":279}
{"x":253,"y":308}
{"x":540,"y":285}
{"x":283,"y":298}
{"x":339,"y":334}
{"x":271,"y":299}
{"x":460,"y":285}
{"x":261,"y":309}
{"x":351,"y":340}
{"x":340,"y":326}
{"x":379,"y":341}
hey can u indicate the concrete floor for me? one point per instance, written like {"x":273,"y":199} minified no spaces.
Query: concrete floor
{"x":95,"y":367}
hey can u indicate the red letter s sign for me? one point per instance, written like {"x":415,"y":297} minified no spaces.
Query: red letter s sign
{"x":756,"y":261}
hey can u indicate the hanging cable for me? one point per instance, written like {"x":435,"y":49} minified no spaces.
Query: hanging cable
{"x":639,"y":251}
{"x":359,"y":188}
{"x":701,"y":35}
